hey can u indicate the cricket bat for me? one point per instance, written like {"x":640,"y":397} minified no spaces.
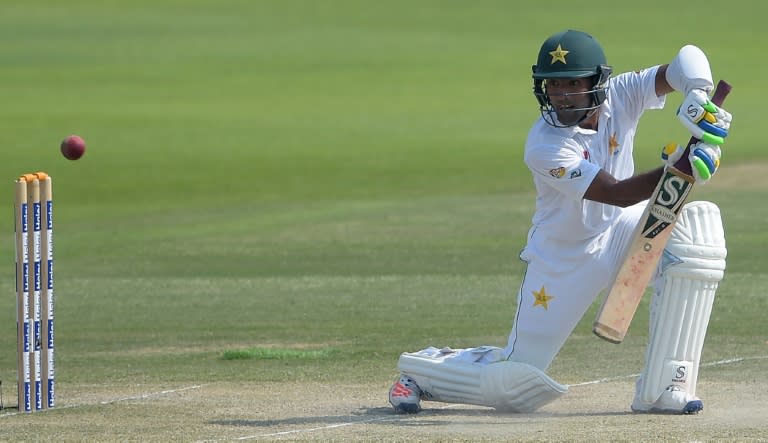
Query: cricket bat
{"x":650,"y":238}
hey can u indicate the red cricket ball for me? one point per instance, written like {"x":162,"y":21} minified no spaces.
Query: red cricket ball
{"x":73,"y":147}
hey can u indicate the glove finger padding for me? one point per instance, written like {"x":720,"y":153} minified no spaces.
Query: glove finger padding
{"x":705,"y":159}
{"x":703,"y":118}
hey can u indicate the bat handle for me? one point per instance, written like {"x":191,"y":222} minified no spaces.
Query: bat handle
{"x":722,"y":91}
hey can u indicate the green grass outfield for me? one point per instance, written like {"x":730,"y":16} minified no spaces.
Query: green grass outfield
{"x":317,"y":186}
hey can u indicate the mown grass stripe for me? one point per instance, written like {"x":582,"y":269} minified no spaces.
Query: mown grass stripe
{"x":276,"y":354}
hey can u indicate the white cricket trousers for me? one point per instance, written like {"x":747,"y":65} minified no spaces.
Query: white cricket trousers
{"x":554,"y":297}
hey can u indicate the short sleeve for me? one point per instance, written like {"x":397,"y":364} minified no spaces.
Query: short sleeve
{"x":562,"y":168}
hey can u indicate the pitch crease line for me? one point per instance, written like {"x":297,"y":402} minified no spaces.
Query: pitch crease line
{"x":109,"y":402}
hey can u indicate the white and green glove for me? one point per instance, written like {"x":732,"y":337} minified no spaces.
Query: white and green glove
{"x":704,"y":158}
{"x":706,"y":121}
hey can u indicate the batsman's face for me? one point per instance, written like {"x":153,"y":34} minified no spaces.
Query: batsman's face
{"x":570,"y":98}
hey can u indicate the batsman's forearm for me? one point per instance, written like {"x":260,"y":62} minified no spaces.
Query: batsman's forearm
{"x":639,"y":187}
{"x":623,"y":193}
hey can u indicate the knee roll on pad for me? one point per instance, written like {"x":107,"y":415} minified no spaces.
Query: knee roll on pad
{"x":698,"y":242}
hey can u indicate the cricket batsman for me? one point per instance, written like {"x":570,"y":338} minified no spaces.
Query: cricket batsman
{"x":589,"y":201}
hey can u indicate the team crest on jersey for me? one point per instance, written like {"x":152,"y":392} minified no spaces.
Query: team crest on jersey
{"x":613,"y":145}
{"x":557,"y":172}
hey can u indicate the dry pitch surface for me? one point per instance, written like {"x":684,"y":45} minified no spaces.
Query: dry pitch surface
{"x":595,"y":410}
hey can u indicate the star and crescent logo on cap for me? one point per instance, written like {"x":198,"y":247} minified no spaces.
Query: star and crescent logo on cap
{"x":558,"y":55}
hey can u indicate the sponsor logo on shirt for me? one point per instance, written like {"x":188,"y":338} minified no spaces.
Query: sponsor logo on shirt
{"x":576,"y":173}
{"x":557,"y":172}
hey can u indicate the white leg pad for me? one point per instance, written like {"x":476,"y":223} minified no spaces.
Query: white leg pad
{"x":692,"y":267}
{"x":504,"y":385}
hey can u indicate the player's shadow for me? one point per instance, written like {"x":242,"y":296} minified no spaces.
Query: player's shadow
{"x":458,"y":411}
{"x":369,"y":415}
{"x":427,"y":417}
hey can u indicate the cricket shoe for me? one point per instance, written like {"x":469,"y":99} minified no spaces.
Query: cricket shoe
{"x":405,"y":396}
{"x":672,"y":401}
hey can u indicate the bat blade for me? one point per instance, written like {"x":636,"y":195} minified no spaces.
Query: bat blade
{"x":643,"y":255}
{"x":648,"y":243}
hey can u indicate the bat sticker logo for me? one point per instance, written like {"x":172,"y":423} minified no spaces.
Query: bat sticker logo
{"x":671,"y":191}
{"x":664,"y":214}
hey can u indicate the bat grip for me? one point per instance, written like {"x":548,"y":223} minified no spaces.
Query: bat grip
{"x":683,"y":165}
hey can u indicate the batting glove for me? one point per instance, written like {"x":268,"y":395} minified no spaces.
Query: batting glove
{"x":704,"y":158}
{"x":704,"y":119}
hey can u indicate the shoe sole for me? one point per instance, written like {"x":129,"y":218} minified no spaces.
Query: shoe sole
{"x":691,"y":408}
